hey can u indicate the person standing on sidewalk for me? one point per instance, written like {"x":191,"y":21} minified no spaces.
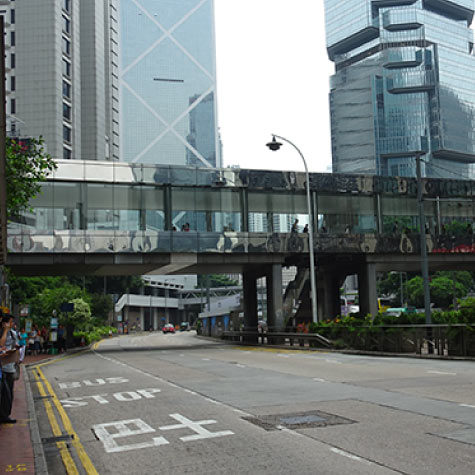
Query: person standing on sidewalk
{"x":8,"y":373}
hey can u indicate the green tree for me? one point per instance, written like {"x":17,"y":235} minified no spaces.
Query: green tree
{"x":101,"y":306}
{"x":44,"y":303}
{"x":216,"y":280}
{"x":442,"y":291}
{"x":113,"y":284}
{"x":27,"y":165}
{"x":414,"y":290}
{"x":80,"y":317}
{"x":464,"y":278}
{"x":26,"y":289}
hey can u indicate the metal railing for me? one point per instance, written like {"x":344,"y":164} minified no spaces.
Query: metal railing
{"x":440,"y":340}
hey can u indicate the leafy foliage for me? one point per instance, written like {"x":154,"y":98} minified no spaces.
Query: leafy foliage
{"x":94,"y":334}
{"x":81,"y":316}
{"x":442,"y":287}
{"x":27,"y":165}
{"x":216,"y":280}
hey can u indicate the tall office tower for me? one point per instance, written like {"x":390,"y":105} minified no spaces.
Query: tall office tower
{"x":57,"y":84}
{"x":168,"y":83}
{"x":404,"y":82}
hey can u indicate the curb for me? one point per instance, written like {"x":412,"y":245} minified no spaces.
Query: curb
{"x":344,"y":352}
{"x":40,"y":460}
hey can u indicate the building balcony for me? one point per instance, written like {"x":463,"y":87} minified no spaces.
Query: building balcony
{"x":396,"y":20}
{"x":413,"y":81}
{"x":403,"y":58}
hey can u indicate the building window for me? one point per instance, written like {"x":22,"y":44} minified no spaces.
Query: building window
{"x":12,"y":16}
{"x":66,"y":25}
{"x":12,"y":60}
{"x":12,"y":38}
{"x":66,"y":111}
{"x":66,"y":133}
{"x":67,"y":154}
{"x":13,"y":106}
{"x":66,"y":68}
{"x":12,"y":83}
{"x":66,"y":46}
{"x":66,"y":89}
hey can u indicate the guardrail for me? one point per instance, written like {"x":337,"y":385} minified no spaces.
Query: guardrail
{"x":313,"y":340}
{"x":441,"y":340}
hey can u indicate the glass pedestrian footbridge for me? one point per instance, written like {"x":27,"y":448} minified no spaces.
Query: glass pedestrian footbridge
{"x":102,"y":207}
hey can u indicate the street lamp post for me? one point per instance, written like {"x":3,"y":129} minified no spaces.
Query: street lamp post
{"x":274,"y":146}
{"x":422,"y":222}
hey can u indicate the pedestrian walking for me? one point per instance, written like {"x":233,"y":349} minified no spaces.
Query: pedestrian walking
{"x":305,"y":229}
{"x":61,"y":339}
{"x":295,"y":226}
{"x":9,"y":372}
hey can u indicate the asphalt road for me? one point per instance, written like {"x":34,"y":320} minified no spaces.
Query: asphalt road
{"x":178,"y":404}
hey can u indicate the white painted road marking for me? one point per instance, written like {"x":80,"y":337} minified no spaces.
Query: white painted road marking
{"x":201,"y":432}
{"x":126,"y":396}
{"x":467,"y":405}
{"x":350,"y":456}
{"x":95,"y":382}
{"x":319,"y":380}
{"x":240,"y":365}
{"x":442,"y":372}
{"x":108,"y":439}
{"x":121,"y":430}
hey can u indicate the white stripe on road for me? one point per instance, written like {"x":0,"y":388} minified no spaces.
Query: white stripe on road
{"x":467,"y":405}
{"x":350,"y":456}
{"x":442,"y":372}
{"x":320,"y":380}
{"x":333,"y":361}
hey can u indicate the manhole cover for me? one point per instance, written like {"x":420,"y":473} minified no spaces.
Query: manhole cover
{"x":301,"y":420}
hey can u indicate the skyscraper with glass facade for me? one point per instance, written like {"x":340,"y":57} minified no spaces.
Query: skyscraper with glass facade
{"x":404,"y":82}
{"x":168,"y":82}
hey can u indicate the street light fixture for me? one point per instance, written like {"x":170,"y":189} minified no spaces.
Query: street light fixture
{"x":275,"y":146}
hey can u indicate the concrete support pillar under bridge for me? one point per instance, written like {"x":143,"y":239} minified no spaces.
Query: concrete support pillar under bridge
{"x":328,"y":293}
{"x":250,"y":301}
{"x":368,"y":294}
{"x":275,"y":301}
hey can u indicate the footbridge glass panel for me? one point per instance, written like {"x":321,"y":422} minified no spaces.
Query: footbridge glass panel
{"x":122,"y":208}
{"x":275,"y":212}
{"x":338,"y":214}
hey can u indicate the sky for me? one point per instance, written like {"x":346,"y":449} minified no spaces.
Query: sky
{"x":273,"y":77}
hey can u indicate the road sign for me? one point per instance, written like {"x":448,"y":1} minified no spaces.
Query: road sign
{"x":67,"y":307}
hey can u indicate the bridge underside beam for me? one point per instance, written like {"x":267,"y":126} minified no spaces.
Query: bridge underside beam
{"x":31,"y":264}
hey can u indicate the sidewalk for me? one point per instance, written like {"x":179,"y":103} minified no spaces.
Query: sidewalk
{"x":16,"y":448}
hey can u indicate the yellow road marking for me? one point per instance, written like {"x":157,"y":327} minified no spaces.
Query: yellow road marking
{"x":68,"y":461}
{"x":85,"y":460}
{"x":55,"y":360}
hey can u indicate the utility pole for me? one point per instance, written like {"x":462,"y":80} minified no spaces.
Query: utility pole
{"x":3,"y":181}
{"x":424,"y":260}
{"x":422,"y":222}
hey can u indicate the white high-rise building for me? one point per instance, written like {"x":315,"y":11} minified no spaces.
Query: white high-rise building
{"x":62,"y":58}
